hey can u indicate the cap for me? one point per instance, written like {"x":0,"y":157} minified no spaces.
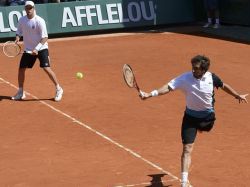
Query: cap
{"x":30,"y":3}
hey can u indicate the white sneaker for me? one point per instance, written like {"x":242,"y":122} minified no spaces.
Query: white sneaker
{"x":208,"y":24}
{"x":186,"y":184}
{"x":19,"y":96}
{"x":216,"y":26}
{"x":59,"y":94}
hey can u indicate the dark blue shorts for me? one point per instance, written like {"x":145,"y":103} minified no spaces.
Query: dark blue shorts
{"x":28,"y":60}
{"x":211,"y":4}
{"x":190,"y":126}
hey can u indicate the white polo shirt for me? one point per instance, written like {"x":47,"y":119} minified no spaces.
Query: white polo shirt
{"x":199,"y":92}
{"x":32,"y":30}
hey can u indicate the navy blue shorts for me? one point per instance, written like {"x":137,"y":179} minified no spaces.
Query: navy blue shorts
{"x":28,"y":60}
{"x":211,"y":4}
{"x":190,"y":126}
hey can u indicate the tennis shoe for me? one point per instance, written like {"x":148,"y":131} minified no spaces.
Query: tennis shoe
{"x":19,"y":96}
{"x":59,"y":94}
{"x":208,"y":24}
{"x":186,"y":184}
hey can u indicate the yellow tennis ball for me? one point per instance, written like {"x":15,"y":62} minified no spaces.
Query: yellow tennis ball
{"x":79,"y":75}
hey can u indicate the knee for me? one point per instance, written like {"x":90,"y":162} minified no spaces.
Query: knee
{"x":22,"y":70}
{"x":187,"y":149}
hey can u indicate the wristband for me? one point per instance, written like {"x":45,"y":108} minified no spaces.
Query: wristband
{"x":154,"y":93}
{"x":38,"y":47}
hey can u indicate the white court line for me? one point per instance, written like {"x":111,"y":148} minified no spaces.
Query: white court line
{"x":96,"y":132}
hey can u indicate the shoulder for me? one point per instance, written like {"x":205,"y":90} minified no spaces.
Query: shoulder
{"x":39,"y":19}
{"x":208,"y":75}
{"x":23,"y":18}
{"x":181,"y":79}
{"x":214,"y":76}
{"x":40,"y":22}
{"x":216,"y":80}
{"x":188,"y":76}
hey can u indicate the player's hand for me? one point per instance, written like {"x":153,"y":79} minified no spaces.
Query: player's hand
{"x":17,"y":39}
{"x":144,"y":95}
{"x":242,"y":98}
{"x":34,"y":52}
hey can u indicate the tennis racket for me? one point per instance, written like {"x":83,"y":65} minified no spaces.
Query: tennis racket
{"x":12,"y":49}
{"x":129,"y":77}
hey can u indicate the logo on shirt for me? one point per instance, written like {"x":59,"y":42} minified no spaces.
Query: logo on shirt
{"x":33,"y":27}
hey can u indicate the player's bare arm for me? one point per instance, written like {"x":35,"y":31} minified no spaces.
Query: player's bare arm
{"x":228,"y":89}
{"x":44,"y":40}
{"x":164,"y":89}
{"x":161,"y":91}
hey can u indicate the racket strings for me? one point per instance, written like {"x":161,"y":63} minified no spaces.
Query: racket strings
{"x":11,"y":49}
{"x":129,"y":76}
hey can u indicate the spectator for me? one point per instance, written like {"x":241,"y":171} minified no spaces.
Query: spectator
{"x":55,"y":1}
{"x":212,"y":9}
{"x":16,"y":2}
{"x":40,"y":1}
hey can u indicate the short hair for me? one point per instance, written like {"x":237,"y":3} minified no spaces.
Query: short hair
{"x":203,"y":60}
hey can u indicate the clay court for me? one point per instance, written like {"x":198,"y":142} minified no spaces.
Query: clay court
{"x":102,"y":135}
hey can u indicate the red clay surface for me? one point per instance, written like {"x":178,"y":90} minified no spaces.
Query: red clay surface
{"x":43,"y":146}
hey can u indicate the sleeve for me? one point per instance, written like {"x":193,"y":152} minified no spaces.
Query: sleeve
{"x":176,"y":83}
{"x":217,"y":81}
{"x":19,"y":29}
{"x":43,"y":29}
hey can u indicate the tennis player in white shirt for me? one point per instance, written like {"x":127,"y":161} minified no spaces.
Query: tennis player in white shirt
{"x":34,"y":32}
{"x":198,"y":87}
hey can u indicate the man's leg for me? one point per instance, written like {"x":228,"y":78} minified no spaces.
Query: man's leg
{"x":186,"y":162}
{"x":21,"y":77}
{"x":52,"y":76}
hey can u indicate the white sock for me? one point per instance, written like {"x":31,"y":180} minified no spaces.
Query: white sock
{"x":58,"y":87}
{"x":20,"y":89}
{"x":217,"y":21}
{"x":209,"y":20}
{"x":184,"y":176}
